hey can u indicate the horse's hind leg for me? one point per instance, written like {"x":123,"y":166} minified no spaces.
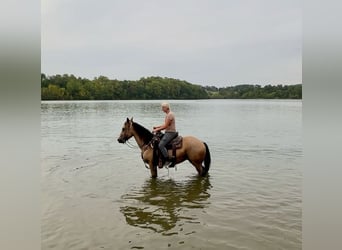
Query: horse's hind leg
{"x":198,"y":166}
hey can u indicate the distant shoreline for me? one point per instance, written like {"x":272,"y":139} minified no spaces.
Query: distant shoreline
{"x":68,"y":87}
{"x":156,"y":100}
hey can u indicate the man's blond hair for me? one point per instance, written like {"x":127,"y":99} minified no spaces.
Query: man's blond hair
{"x":166,"y":105}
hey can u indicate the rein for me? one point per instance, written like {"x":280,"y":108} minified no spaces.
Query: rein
{"x":144,"y":135}
{"x":130,"y":145}
{"x":143,"y":148}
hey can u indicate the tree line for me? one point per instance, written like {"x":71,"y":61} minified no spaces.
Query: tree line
{"x":247,"y":91}
{"x":70,"y":87}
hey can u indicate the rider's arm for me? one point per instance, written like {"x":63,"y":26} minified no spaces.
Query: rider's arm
{"x":161,"y":127}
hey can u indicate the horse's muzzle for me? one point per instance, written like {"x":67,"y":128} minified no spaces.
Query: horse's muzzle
{"x":121,"y":140}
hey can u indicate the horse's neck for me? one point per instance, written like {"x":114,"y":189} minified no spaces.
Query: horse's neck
{"x":141,"y":135}
{"x":139,"y":140}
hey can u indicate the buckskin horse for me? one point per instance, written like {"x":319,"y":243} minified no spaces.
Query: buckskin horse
{"x":192,"y":149}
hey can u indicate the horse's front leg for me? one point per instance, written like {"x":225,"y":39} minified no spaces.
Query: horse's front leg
{"x":153,"y":170}
{"x":148,"y":158}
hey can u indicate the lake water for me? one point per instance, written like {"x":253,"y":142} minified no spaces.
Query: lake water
{"x":97,"y":194}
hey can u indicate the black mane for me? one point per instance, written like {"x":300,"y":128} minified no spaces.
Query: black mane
{"x":143,"y":132}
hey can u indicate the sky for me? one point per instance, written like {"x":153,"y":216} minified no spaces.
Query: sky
{"x":206,"y":42}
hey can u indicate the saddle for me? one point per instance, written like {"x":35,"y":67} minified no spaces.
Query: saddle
{"x":173,"y":145}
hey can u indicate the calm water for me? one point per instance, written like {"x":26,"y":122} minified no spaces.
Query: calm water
{"x":97,"y":194}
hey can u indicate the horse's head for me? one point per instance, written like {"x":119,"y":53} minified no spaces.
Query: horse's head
{"x":127,"y":131}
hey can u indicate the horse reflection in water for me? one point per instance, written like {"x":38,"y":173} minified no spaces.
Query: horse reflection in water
{"x":163,"y":203}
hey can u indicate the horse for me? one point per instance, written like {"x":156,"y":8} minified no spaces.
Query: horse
{"x":193,"y":150}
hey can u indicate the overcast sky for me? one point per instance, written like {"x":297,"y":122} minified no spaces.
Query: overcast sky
{"x":207,"y":42}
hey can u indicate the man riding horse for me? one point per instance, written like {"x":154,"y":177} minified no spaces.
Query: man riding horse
{"x":190,"y":148}
{"x":170,"y":132}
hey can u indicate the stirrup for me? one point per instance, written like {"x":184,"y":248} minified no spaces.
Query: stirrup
{"x":171,"y":162}
{"x":160,"y":163}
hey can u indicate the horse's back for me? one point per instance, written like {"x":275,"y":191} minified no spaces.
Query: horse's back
{"x":194,"y":150}
{"x":193,"y":143}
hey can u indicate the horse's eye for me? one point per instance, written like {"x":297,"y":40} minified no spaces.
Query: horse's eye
{"x":123,"y":129}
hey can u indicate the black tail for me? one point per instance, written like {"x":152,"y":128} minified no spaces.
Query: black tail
{"x":207,"y":160}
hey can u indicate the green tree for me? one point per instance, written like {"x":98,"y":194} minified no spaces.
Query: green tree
{"x":63,"y":87}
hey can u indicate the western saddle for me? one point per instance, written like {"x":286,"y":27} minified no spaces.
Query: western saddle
{"x":173,"y":145}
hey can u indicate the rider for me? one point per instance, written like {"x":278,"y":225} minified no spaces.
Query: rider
{"x":170,"y":131}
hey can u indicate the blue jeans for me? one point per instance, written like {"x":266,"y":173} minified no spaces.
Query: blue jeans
{"x":168,"y":136}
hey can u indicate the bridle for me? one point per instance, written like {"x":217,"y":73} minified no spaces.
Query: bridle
{"x":144,"y":147}
{"x":130,"y":145}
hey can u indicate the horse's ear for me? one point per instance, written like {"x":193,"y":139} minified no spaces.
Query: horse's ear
{"x":127,"y":120}
{"x":132,"y":119}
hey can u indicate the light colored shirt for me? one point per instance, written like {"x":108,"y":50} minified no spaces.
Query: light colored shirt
{"x":172,"y":127}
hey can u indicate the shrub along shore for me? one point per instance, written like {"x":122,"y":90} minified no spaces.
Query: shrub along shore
{"x":69,"y":87}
